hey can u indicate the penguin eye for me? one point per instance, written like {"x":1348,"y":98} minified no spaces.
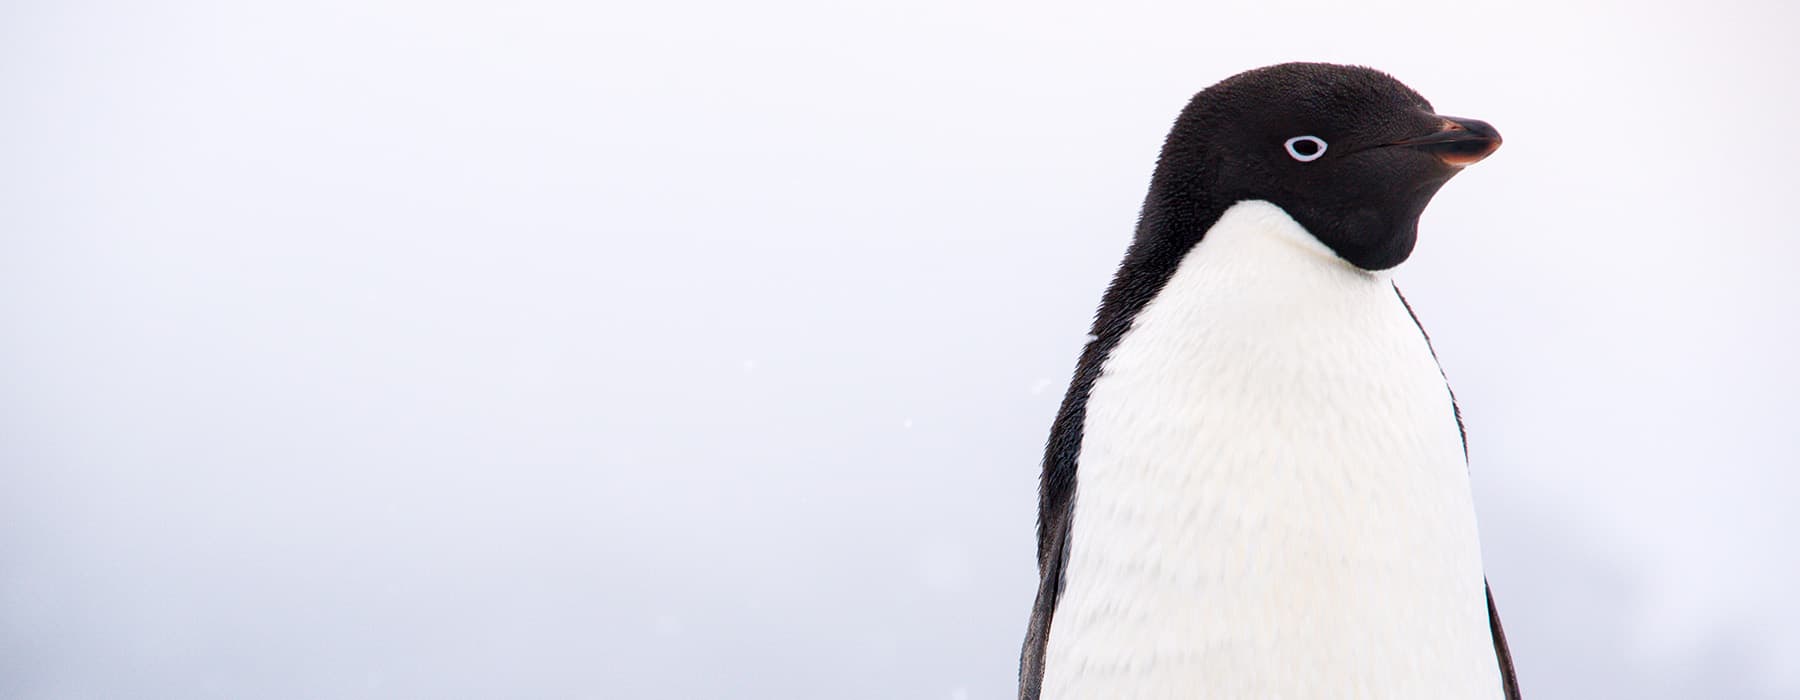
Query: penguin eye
{"x":1306,"y":148}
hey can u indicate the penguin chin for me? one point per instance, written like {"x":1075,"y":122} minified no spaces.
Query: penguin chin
{"x":1366,"y":207}
{"x":1373,"y":239}
{"x":1395,"y":244}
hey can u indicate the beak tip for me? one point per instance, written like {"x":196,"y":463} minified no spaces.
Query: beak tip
{"x":1459,"y":142}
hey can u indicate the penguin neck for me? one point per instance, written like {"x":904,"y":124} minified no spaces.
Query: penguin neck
{"x":1254,"y":247}
{"x":1261,"y":235}
{"x":1271,"y":498}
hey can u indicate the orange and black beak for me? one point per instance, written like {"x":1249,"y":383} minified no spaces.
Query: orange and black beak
{"x":1460,"y":142}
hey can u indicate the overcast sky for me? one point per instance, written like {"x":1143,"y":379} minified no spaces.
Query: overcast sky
{"x":362,"y":349}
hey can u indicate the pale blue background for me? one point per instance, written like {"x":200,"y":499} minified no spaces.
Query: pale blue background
{"x":705,"y":350}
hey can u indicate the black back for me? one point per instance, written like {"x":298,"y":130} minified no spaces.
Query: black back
{"x":1226,"y":147}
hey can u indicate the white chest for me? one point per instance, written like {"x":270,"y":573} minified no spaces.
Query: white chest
{"x":1271,"y":500}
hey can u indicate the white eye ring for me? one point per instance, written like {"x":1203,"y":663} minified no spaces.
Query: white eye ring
{"x":1317,"y":142}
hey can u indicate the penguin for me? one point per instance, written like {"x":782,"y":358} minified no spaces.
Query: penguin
{"x":1257,"y":484}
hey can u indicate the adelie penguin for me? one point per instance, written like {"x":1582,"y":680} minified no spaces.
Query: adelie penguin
{"x":1257,"y":486}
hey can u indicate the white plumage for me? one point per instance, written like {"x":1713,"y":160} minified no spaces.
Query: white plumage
{"x":1272,"y":499}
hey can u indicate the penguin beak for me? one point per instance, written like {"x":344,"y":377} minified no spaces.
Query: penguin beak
{"x":1458,"y":142}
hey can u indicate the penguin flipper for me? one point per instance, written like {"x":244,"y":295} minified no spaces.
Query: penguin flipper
{"x":1056,"y":501}
{"x":1508,"y":679}
{"x":1050,"y":586}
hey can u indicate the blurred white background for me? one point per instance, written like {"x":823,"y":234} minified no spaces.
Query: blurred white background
{"x":706,"y":350}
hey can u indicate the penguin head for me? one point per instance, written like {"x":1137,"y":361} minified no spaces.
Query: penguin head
{"x":1350,"y":153}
